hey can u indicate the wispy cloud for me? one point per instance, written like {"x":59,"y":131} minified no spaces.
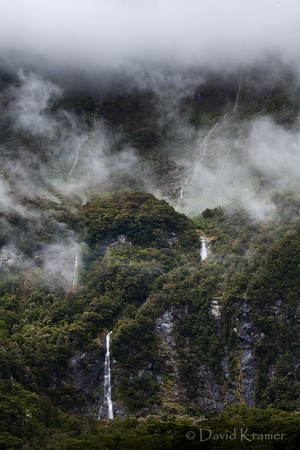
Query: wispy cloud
{"x":246,"y":169}
{"x":29,"y":103}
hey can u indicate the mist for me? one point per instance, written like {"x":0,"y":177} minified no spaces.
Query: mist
{"x":170,"y":52}
{"x":28,"y":108}
{"x":49,"y":154}
{"x":98,"y":34}
{"x":246,"y":170}
{"x":217,"y":162}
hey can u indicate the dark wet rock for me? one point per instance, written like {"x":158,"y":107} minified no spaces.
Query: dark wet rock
{"x":209,"y":392}
{"x":85,"y":373}
{"x":247,"y":336}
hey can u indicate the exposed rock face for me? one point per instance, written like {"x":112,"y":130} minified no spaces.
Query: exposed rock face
{"x":216,"y":308}
{"x":247,"y":337}
{"x":209,"y":393}
{"x":86,"y":372}
{"x":123,"y":239}
{"x":172,"y":239}
{"x":75,"y":360}
{"x":9,"y":256}
{"x":248,"y":372}
{"x":164,"y":327}
{"x":230,"y":387}
{"x":86,"y":369}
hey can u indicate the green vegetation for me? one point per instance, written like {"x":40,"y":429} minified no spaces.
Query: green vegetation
{"x":32,"y":422}
{"x":127,"y":283}
{"x":183,"y":329}
{"x":144,"y":219}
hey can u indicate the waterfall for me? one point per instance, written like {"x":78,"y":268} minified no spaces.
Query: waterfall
{"x":107,"y":382}
{"x":202,"y":151}
{"x":75,"y":268}
{"x":200,"y":156}
{"x":77,"y":154}
{"x":238,"y":94}
{"x":204,"y":146}
{"x":181,"y":191}
{"x":203,"y":249}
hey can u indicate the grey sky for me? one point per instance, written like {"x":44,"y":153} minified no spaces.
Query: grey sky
{"x":186,"y":31}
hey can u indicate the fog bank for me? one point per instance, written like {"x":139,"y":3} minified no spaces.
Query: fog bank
{"x":97,"y":33}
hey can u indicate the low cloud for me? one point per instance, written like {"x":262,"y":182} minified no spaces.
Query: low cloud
{"x":29,"y":103}
{"x":276,"y":151}
{"x":59,"y":264}
{"x":245,"y":170}
{"x":99,"y":33}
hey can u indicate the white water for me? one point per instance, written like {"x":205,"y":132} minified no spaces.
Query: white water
{"x":107,"y":382}
{"x":238,"y":94}
{"x":77,"y":155}
{"x":206,"y":139}
{"x":75,"y":268}
{"x":181,"y":191}
{"x":203,"y":249}
{"x":202,"y":153}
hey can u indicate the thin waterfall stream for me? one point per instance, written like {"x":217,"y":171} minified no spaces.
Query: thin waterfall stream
{"x":201,"y":151}
{"x":107,"y":382}
{"x":238,"y":94}
{"x":200,"y":155}
{"x":75,"y":268}
{"x":77,"y":155}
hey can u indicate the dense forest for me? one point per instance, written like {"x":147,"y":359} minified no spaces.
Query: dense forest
{"x":107,"y":197}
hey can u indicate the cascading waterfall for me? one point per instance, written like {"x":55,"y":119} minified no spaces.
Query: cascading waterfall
{"x":203,"y":249}
{"x":204,"y":146}
{"x":75,"y":268}
{"x":69,"y":185}
{"x":77,"y":155}
{"x":107,"y":382}
{"x":201,"y":151}
{"x":238,"y":94}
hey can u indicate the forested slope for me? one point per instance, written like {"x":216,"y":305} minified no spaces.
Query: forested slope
{"x":102,"y":222}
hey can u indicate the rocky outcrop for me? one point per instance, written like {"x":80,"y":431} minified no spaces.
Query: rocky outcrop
{"x":209,"y":395}
{"x":10,"y":256}
{"x":85,"y":373}
{"x":164,"y":327}
{"x":216,"y":308}
{"x":246,"y":337}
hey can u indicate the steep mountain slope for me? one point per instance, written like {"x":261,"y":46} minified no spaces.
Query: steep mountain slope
{"x":87,"y":249}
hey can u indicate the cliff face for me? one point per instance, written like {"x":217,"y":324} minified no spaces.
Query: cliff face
{"x":197,"y":340}
{"x":191,"y":333}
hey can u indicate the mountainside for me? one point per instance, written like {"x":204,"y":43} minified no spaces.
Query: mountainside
{"x":167,"y":214}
